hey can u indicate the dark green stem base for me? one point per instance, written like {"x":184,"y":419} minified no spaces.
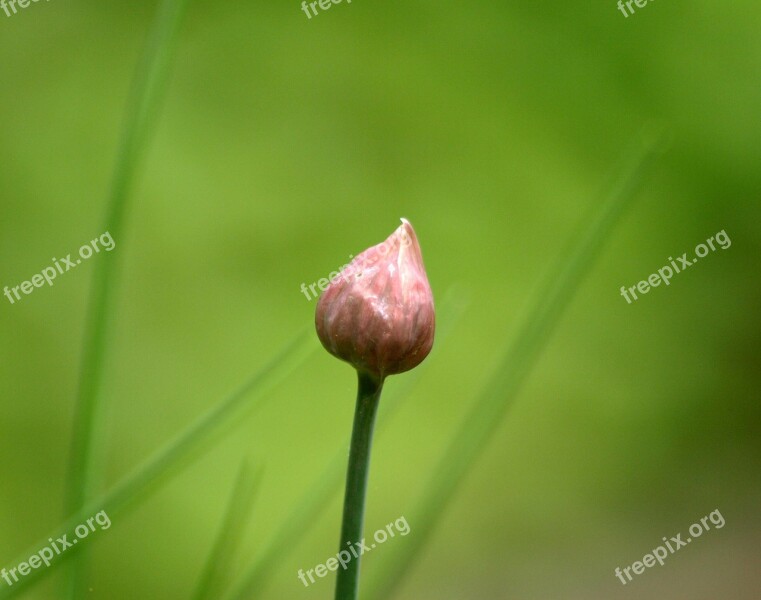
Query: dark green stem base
{"x":368,"y":396}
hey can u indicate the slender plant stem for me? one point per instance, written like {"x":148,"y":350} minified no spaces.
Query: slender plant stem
{"x":147,"y":91}
{"x":368,"y":397}
{"x":145,"y":96}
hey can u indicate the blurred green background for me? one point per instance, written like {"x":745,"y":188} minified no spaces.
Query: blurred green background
{"x":285,"y":144}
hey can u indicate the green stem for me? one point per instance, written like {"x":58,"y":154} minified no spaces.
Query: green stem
{"x":368,"y":396}
{"x":147,"y":91}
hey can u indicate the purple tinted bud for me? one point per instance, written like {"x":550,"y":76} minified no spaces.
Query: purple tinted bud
{"x":378,"y":313}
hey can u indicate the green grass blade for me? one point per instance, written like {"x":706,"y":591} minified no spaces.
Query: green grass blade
{"x":217,"y":570}
{"x":513,"y":368}
{"x":175,"y":454}
{"x":145,"y":95}
{"x":328,"y":485}
{"x":147,"y":91}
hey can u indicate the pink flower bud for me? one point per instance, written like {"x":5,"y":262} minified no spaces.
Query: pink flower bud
{"x":378,"y":313}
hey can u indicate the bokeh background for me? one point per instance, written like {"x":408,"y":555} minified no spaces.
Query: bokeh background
{"x":286,"y":144}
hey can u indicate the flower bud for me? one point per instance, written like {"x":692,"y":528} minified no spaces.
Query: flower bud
{"x":378,"y":313}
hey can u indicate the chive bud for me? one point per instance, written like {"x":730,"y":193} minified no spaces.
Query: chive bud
{"x":378,"y":313}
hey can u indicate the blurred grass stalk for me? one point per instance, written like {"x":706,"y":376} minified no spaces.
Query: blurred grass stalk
{"x":174,"y":454}
{"x":146,"y":94}
{"x":217,"y":570}
{"x":519,"y":356}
